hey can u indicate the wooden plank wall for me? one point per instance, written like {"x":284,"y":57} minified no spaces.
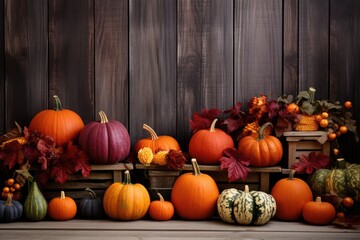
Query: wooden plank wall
{"x":158,"y":61}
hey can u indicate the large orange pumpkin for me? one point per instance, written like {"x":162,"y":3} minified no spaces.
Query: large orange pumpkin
{"x":126,"y":201}
{"x":208,"y":145}
{"x":194,"y":195}
{"x":261,"y":150}
{"x":156,"y":143}
{"x":61,"y":124}
{"x":291,"y":194}
{"x":62,"y":208}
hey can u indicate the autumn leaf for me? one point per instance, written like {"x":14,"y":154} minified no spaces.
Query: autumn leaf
{"x":204,"y":119}
{"x":235,"y":164}
{"x":314,"y":161}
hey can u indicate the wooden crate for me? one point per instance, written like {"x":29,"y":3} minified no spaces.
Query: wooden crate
{"x":304,"y":142}
{"x":100,"y":178}
{"x":162,"y":179}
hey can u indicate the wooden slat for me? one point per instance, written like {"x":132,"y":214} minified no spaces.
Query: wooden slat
{"x":117,"y":166}
{"x":26,"y":60}
{"x":313,"y":46}
{"x":71,"y":55}
{"x":78,"y":185}
{"x":304,"y":133}
{"x":2,"y":72}
{"x":111,"y":59}
{"x":308,"y":145}
{"x":205,"y":59}
{"x":258,"y":49}
{"x":152,"y":67}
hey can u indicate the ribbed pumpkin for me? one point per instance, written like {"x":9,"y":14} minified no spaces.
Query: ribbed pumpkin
{"x":344,"y":180}
{"x":245,"y":207}
{"x":161,"y":210}
{"x":35,"y":206}
{"x":62,"y":208}
{"x":91,"y":207}
{"x":194,"y":195}
{"x":105,"y":142}
{"x":208,"y":145}
{"x":318,"y":212}
{"x":10,"y":210}
{"x":262,"y":151}
{"x":290,"y":195}
{"x":61,"y":124}
{"x":156,"y":143}
{"x":126,"y":201}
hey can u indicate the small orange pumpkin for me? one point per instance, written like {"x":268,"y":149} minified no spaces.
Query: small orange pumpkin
{"x":161,"y":210}
{"x":262,"y":150}
{"x":293,"y":108}
{"x":195,"y":194}
{"x":126,"y":201}
{"x":62,"y":125}
{"x":156,"y":143}
{"x":291,"y":194}
{"x":318,"y":212}
{"x":62,"y":208}
{"x":208,"y":145}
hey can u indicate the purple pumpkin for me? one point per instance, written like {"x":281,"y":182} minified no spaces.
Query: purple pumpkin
{"x":105,"y":142}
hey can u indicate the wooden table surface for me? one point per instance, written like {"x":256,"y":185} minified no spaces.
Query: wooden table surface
{"x":174,"y":229}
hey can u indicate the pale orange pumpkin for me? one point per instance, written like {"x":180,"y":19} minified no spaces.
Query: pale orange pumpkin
{"x":318,"y":212}
{"x":208,"y":145}
{"x":62,"y":208}
{"x":156,"y":143}
{"x":161,"y":210}
{"x":195,"y":195}
{"x":62,"y":125}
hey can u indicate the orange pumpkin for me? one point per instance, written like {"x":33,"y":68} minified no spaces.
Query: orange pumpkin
{"x":293,"y":108}
{"x":195,"y":195}
{"x":62,"y":125}
{"x":262,"y":150}
{"x":291,"y":194}
{"x":208,"y":145}
{"x":318,"y":212}
{"x":126,"y":201}
{"x":62,"y":208}
{"x":156,"y":143}
{"x":161,"y":210}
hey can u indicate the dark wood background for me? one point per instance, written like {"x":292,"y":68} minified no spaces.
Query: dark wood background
{"x":158,"y":61}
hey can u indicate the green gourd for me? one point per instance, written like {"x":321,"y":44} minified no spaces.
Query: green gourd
{"x":35,"y":206}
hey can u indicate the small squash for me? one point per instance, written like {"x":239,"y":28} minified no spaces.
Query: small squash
{"x":10,"y":210}
{"x":156,"y":143}
{"x":318,"y":212}
{"x":126,"y":201}
{"x":61,"y":124}
{"x":194,"y":195}
{"x":161,"y":210}
{"x":105,"y":142}
{"x":35,"y":206}
{"x":262,"y":151}
{"x":207,"y":145}
{"x":290,"y":195}
{"x":62,"y":208}
{"x":91,"y":207}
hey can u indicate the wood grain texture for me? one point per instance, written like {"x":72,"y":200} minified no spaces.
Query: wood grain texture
{"x":258,"y":49}
{"x":26,"y":62}
{"x":152,"y":45}
{"x":205,"y":59}
{"x":111,"y":59}
{"x":313,"y":46}
{"x":290,"y":48}
{"x":2,"y":70}
{"x":71,"y":55}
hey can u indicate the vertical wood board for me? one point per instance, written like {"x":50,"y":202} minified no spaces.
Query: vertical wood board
{"x":2,"y":71}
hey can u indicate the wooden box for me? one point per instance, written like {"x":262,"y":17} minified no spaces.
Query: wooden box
{"x":304,"y":142}
{"x":162,"y":179}
{"x":100,"y":178}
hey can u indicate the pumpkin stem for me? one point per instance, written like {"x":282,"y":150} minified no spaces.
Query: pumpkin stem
{"x":57,"y":103}
{"x":195,"y":166}
{"x":291,"y":174}
{"x":91,"y":193}
{"x":161,"y":197}
{"x":153,"y":134}
{"x":247,"y":189}
{"x":127,"y":179}
{"x":340,"y":163}
{"x":8,"y":200}
{"x":62,"y":195}
{"x":312,"y":94}
{"x":262,"y":130}
{"x":212,"y":127}
{"x":318,"y":199}
{"x":103,"y":117}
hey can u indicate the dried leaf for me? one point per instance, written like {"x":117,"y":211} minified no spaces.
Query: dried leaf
{"x":308,"y":164}
{"x":204,"y":119}
{"x":235,"y":164}
{"x":13,"y":133}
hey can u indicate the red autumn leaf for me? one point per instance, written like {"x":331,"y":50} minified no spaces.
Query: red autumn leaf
{"x":79,"y":158}
{"x":308,"y":164}
{"x":236,"y":118}
{"x":12,"y":154}
{"x":204,"y":119}
{"x":59,"y":172}
{"x":235,"y":164}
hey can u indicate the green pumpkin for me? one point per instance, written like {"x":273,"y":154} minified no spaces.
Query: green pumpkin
{"x":35,"y":206}
{"x":245,"y":207}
